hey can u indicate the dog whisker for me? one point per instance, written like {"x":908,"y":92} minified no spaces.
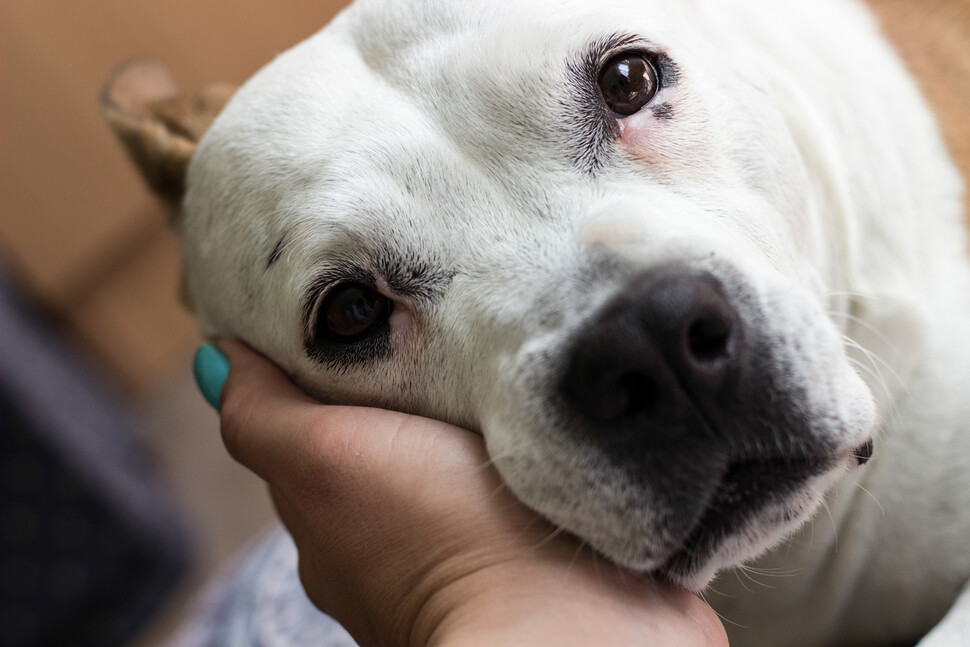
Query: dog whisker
{"x":749,"y":573}
{"x":737,"y":574}
{"x":891,"y":413}
{"x":811,"y":537}
{"x":596,"y":566}
{"x":579,"y":550}
{"x":875,"y":359}
{"x":872,"y":370}
{"x":773,"y":572}
{"x":558,"y":530}
{"x":499,"y":489}
{"x":876,"y":332}
{"x":536,"y":518}
{"x":713,"y":589}
{"x":873,"y":497}
{"x":835,"y":526}
{"x":724,"y":618}
{"x":858,"y":295}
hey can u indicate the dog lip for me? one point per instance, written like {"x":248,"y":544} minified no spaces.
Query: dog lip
{"x":744,"y":489}
{"x":863,"y":452}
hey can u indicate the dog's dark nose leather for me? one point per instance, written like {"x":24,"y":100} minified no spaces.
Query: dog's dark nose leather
{"x":659,"y":359}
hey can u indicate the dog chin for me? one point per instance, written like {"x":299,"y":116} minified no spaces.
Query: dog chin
{"x":694,"y":565}
{"x":694,"y":574}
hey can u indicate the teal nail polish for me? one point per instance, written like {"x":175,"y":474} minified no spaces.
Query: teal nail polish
{"x":211,"y":370}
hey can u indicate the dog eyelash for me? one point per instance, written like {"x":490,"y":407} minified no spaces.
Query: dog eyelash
{"x":317,"y":294}
{"x":603,"y":49}
{"x":600,"y":52}
{"x":341,"y":356}
{"x":318,"y":290}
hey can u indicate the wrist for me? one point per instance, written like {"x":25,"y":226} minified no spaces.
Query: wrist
{"x":574,"y":603}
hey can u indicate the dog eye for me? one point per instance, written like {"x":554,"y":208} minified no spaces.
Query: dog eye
{"x":628,"y":82}
{"x":351,"y":311}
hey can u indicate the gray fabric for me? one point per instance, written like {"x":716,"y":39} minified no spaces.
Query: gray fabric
{"x":261,"y":603}
{"x":72,"y":411}
{"x":90,"y":545}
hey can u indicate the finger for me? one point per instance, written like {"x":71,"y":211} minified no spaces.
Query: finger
{"x":288,"y":515}
{"x":318,"y":579}
{"x":277,"y":431}
{"x":247,"y":367}
{"x":257,"y":399}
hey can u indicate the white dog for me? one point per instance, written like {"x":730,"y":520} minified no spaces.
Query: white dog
{"x":683,"y":264}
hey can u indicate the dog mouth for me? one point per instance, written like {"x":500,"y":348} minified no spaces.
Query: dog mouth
{"x":746,"y":488}
{"x":863,"y":453}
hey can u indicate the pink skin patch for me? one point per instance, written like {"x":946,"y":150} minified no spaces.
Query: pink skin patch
{"x":663,"y":136}
{"x":402,"y":321}
{"x":641,"y":131}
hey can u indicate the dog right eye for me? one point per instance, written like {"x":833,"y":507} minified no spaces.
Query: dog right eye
{"x":350,"y":312}
{"x":628,"y":82}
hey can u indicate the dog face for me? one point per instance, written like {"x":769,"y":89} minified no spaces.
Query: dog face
{"x":585,"y":232}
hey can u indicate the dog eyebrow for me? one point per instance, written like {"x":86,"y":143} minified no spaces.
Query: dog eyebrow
{"x":597,"y":51}
{"x":413,"y":276}
{"x":277,"y":251}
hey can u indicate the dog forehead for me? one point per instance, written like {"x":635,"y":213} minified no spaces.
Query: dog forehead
{"x":450,"y":57}
{"x":492,"y":78}
{"x":402,"y":90}
{"x":392,"y":30}
{"x":505,"y":60}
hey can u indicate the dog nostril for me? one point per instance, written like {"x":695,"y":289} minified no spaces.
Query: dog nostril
{"x":708,"y":338}
{"x":669,"y":345}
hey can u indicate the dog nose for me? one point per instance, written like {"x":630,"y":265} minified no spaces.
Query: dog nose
{"x":657,"y":356}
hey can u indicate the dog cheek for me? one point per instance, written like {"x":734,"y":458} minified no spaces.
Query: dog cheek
{"x":403,"y":327}
{"x":637,"y":130}
{"x":652,"y":141}
{"x":672,"y":140}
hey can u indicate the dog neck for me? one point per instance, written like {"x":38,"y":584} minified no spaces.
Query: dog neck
{"x":933,"y":37}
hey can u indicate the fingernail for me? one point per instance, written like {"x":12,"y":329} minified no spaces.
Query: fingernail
{"x":211,"y":369}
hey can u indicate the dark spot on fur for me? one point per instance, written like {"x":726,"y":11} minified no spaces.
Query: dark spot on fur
{"x":276,"y":253}
{"x":664,"y":111}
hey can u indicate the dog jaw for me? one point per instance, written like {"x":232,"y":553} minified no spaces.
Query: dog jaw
{"x":671,"y":504}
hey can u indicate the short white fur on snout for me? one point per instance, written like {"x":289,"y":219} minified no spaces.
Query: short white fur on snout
{"x":441,"y":145}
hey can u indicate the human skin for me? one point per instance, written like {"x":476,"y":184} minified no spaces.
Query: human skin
{"x":406,"y":535}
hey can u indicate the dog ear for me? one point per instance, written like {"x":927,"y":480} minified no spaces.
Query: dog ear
{"x":160,"y":125}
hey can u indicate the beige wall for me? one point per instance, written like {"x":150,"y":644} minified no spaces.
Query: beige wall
{"x":76,"y":223}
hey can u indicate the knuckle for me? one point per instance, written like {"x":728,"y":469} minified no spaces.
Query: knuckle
{"x":306,"y":572}
{"x":234,"y":418}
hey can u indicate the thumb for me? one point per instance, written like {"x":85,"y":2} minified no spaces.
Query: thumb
{"x":277,"y":431}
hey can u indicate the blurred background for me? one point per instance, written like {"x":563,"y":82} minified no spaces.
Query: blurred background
{"x":112,"y":477}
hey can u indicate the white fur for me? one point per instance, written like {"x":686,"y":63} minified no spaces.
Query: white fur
{"x":800,"y":166}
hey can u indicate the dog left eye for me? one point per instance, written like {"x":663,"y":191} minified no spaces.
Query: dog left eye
{"x":351,"y":311}
{"x":628,"y":82}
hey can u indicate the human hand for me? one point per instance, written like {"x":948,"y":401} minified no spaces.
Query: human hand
{"x":407,"y":536}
